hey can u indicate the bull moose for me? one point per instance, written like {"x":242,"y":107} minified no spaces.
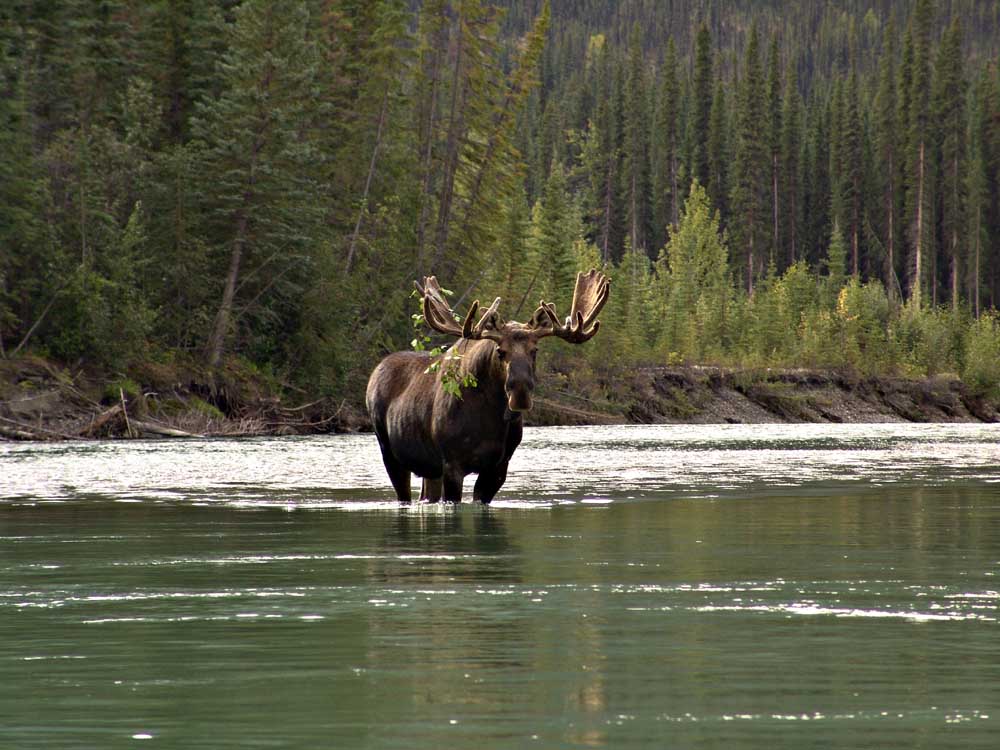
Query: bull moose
{"x":425,"y":430}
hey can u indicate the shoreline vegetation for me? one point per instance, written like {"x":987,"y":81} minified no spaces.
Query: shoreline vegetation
{"x":41,"y":401}
{"x":212,"y":213}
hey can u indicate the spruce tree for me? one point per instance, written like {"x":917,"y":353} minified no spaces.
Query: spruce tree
{"x":774,"y":143}
{"x":635,"y":164}
{"x":951,"y":123}
{"x":259,"y":175}
{"x":665,"y":147}
{"x":791,"y":173}
{"x":887,"y":153}
{"x":751,"y":169}
{"x":718,"y":151}
{"x":919,"y":172}
{"x":701,"y":103}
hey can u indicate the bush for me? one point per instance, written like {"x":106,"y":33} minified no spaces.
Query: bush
{"x":981,"y":370}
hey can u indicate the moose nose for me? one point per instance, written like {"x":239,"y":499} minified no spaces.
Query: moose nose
{"x":519,"y":390}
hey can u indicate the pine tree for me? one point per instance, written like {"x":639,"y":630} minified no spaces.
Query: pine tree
{"x":696,"y":268}
{"x":718,"y":151}
{"x":850,"y":155}
{"x":259,"y":175}
{"x":701,"y":99}
{"x":887,"y":152}
{"x":24,"y":244}
{"x":977,"y":193}
{"x":635,"y":164}
{"x":774,"y":141}
{"x":791,"y":183}
{"x":951,"y":122}
{"x":836,"y":266}
{"x":918,"y":195}
{"x":665,"y":148}
{"x":751,"y":168}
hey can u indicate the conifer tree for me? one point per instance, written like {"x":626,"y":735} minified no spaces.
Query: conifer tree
{"x":850,"y":155}
{"x":774,"y":141}
{"x":790,"y":155}
{"x":951,"y":122}
{"x":751,"y":169}
{"x":918,"y":195}
{"x":260,"y":177}
{"x":701,"y":102}
{"x":977,"y":193}
{"x":718,"y":151}
{"x":635,"y":165}
{"x":887,"y":152}
{"x":665,"y":148}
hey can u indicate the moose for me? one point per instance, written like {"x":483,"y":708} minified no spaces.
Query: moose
{"x":425,"y":430}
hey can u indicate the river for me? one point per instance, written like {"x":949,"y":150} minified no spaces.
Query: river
{"x":781,"y":586}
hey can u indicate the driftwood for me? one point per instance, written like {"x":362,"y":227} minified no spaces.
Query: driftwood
{"x":157,"y":429}
{"x":12,"y":434}
{"x":32,"y":432}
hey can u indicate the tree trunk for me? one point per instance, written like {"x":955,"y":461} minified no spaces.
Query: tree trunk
{"x":456,"y":123}
{"x":855,"y":228}
{"x":919,"y":239}
{"x":368,"y":181}
{"x":428,"y":152}
{"x":220,"y":329}
{"x":891,"y":240}
{"x":975,"y":278}
{"x":774,"y":198}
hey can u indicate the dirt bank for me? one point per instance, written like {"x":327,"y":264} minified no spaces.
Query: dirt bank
{"x":43,"y":401}
{"x":705,"y":395}
{"x":40,"y":400}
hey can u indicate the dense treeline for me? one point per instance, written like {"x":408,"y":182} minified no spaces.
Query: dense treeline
{"x":767,"y":183}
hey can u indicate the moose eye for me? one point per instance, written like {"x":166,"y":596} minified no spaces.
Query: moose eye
{"x":501,"y":354}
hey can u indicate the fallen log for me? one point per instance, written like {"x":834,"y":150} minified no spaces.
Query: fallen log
{"x":158,"y":429}
{"x":35,"y":433}
{"x":12,"y":434}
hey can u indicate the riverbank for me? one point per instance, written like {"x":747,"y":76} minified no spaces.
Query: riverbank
{"x":40,"y":400}
{"x":713,"y":395}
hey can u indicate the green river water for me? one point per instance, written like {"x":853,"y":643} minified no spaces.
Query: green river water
{"x":800,"y":586}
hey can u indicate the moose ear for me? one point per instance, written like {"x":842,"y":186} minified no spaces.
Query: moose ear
{"x":540,"y":319}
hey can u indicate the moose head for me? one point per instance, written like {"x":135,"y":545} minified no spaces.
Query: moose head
{"x":517,"y":343}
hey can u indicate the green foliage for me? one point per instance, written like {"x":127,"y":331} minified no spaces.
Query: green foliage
{"x":981,"y":368}
{"x":265,"y":179}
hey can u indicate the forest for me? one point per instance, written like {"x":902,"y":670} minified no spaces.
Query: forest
{"x":202,"y":184}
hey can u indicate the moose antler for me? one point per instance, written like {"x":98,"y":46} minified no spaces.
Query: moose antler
{"x":440,"y":317}
{"x":589,"y":296}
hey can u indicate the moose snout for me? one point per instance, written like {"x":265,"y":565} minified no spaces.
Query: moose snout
{"x":518,"y":390}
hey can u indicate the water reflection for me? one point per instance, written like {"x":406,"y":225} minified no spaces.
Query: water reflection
{"x":856,"y":604}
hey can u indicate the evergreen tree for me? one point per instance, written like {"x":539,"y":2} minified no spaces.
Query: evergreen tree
{"x":790,"y":156}
{"x":751,"y":169}
{"x":718,"y":151}
{"x":918,"y":188}
{"x":951,"y":122}
{"x":260,"y":162}
{"x":695,"y":265}
{"x":635,"y":165}
{"x":701,"y":100}
{"x":665,"y":149}
{"x":887,"y":152}
{"x":774,"y":142}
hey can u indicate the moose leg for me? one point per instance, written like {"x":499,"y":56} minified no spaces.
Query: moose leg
{"x":430,"y":490}
{"x":452,"y":481}
{"x":399,"y":475}
{"x":488,"y":484}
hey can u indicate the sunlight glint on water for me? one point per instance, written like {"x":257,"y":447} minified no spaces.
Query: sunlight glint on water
{"x":736,"y":586}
